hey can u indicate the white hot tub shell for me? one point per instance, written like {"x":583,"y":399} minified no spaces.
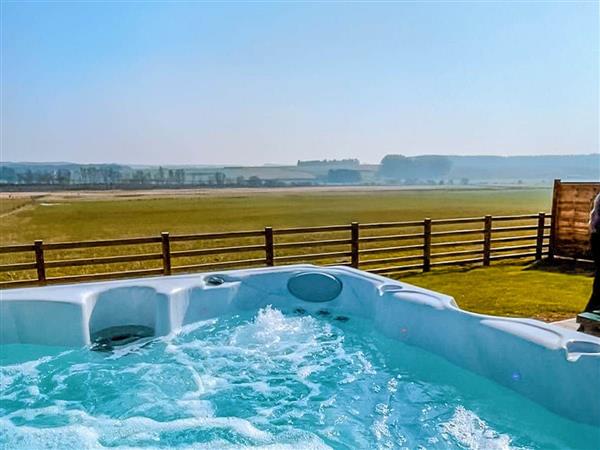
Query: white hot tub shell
{"x":555,"y":367}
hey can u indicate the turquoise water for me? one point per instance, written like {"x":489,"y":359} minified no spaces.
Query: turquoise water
{"x":272,"y":380}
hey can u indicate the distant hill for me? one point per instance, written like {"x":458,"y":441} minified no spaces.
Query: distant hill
{"x":395,"y":169}
{"x":547,"y":167}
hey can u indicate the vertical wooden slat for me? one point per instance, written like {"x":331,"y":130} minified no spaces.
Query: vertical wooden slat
{"x":487,"y":240}
{"x":539,"y":243}
{"x":166,"y":252}
{"x":554,"y":219}
{"x":354,"y":235}
{"x":269,"y":252}
{"x":39,"y":261}
{"x":426,"y":245}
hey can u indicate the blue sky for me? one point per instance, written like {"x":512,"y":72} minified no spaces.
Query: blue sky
{"x":251,"y":83}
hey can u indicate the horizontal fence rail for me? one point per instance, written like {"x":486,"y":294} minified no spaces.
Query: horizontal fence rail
{"x":384,"y":248}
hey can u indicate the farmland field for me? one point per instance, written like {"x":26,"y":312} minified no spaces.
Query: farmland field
{"x":503,"y":289}
{"x":57,"y":218}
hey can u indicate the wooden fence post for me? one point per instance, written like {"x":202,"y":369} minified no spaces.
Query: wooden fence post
{"x":269,"y":251}
{"x":554,"y":219}
{"x":39,"y":261}
{"x":354,"y":235}
{"x":426,"y":245}
{"x":166,"y":252}
{"x":487,"y":240}
{"x":539,"y":243}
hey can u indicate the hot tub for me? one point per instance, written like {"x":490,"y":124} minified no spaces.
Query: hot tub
{"x":294,"y":356}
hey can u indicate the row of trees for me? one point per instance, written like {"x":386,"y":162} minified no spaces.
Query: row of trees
{"x":333,"y":163}
{"x":104,"y":175}
{"x":393,"y":168}
{"x":111,"y":176}
{"x":60,"y":176}
{"x":161,"y":176}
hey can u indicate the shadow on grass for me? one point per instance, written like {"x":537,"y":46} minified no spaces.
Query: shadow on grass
{"x":562,"y":266}
{"x":449,"y":270}
{"x":566,"y":266}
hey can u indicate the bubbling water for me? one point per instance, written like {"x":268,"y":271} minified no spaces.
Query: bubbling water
{"x":269,"y":380}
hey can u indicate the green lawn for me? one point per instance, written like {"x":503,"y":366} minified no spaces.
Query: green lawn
{"x":511,"y":290}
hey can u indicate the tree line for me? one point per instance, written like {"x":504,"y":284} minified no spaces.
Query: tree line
{"x":393,"y":168}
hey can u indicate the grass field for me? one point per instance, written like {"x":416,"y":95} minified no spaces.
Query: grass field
{"x":73,"y":219}
{"x":502,"y":289}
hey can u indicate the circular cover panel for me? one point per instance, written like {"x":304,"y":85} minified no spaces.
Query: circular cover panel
{"x":314,"y":287}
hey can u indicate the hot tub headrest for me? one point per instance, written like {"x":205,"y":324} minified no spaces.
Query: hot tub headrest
{"x":315,"y":287}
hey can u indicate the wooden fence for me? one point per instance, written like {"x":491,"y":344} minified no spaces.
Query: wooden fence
{"x":409,"y":245}
{"x":571,"y":206}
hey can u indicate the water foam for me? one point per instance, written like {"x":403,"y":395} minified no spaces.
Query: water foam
{"x":270,"y":380}
{"x":468,"y":430}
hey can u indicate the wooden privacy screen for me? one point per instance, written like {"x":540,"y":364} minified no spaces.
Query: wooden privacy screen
{"x":571,"y":206}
